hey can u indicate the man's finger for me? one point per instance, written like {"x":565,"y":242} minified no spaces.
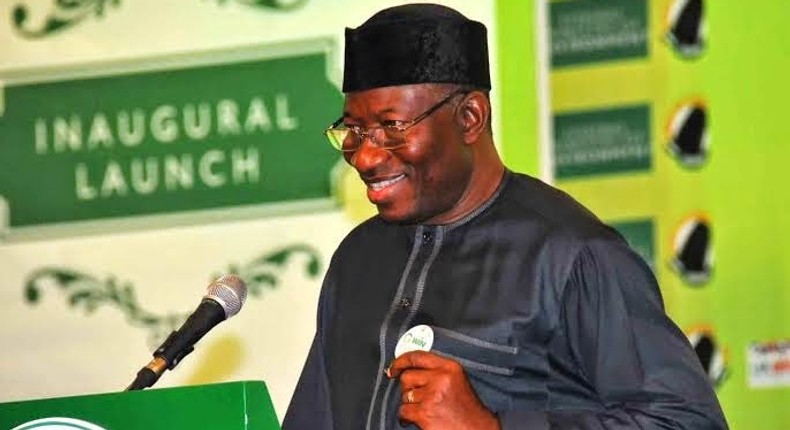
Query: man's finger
{"x":414,"y":378}
{"x":409,"y":413}
{"x":416,"y":360}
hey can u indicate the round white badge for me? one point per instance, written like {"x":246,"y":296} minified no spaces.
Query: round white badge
{"x":58,"y":423}
{"x":418,"y":338}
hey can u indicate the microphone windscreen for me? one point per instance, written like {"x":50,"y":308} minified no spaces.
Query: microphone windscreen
{"x":230,"y":292}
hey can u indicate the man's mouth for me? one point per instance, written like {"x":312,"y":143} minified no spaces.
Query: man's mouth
{"x":381,"y":184}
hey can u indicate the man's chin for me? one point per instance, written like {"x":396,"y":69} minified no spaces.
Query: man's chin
{"x":390,"y":214}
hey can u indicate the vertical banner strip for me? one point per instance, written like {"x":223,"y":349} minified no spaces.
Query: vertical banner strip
{"x":519,"y":84}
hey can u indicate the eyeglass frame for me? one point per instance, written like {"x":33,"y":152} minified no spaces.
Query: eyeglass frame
{"x":405,"y":125}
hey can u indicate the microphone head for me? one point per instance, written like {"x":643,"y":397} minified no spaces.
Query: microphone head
{"x":229,"y":291}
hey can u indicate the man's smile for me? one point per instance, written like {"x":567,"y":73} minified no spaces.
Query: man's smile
{"x":380,"y":184}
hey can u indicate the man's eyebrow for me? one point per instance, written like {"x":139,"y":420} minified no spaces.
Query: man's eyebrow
{"x":347,"y":114}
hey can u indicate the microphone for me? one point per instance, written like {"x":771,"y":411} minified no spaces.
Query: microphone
{"x":224,"y":298}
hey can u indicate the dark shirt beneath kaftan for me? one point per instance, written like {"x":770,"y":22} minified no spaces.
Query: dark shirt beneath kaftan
{"x":557,"y":323}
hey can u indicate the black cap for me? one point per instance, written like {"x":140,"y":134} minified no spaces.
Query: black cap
{"x":415,"y":44}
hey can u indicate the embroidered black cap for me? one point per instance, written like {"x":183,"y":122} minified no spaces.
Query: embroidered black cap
{"x":413,"y":44}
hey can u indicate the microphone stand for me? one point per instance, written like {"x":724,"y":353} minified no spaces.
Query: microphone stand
{"x":148,"y":375}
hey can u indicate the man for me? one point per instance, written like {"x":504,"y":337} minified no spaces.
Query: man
{"x":530,"y":313}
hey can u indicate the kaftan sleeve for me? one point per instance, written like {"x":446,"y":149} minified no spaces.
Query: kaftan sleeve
{"x":641,"y":367}
{"x":311,"y":406}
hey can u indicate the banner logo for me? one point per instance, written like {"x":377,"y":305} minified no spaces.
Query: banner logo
{"x":687,"y":134}
{"x":769,"y":364}
{"x":685,"y":27}
{"x":711,"y":354}
{"x":692,"y":250}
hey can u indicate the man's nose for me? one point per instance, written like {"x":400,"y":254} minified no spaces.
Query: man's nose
{"x":369,"y":156}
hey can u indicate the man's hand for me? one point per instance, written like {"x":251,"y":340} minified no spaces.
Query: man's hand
{"x":436,"y":394}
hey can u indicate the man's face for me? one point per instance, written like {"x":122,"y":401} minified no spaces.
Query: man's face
{"x":424,"y":180}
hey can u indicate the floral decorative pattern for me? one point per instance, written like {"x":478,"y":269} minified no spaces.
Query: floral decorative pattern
{"x":262,"y":272}
{"x":87,"y":292}
{"x":272,"y":4}
{"x":65,"y":13}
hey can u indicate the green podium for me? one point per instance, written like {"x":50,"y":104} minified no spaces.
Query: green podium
{"x":231,"y":406}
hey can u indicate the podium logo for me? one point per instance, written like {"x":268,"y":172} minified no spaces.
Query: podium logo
{"x":58,"y":423}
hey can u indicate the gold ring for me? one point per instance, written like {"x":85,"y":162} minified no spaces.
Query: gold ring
{"x":410,"y":396}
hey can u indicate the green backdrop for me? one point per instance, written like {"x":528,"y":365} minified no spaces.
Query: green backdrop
{"x":630,"y":91}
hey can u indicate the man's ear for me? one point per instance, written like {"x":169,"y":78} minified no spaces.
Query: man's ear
{"x":473,"y":115}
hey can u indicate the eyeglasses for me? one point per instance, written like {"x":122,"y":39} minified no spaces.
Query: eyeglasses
{"x":388,"y":135}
